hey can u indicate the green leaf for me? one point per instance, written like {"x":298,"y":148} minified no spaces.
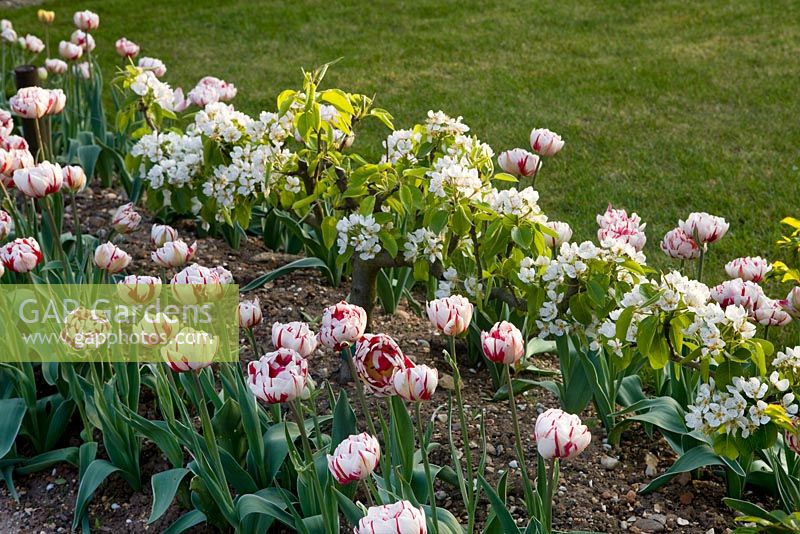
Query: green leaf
{"x":302,"y":263}
{"x":49,"y":458}
{"x":344,"y":421}
{"x":87,"y":155}
{"x":694,"y":458}
{"x":185,"y":522}
{"x":165,"y":485}
{"x":499,"y":508}
{"x":351,"y":511}
{"x":265,"y":505}
{"x":95,"y":475}
{"x":402,"y":433}
{"x":748,"y":508}
{"x":329,"y":232}
{"x":439,"y":221}
{"x":12,"y":412}
{"x":338,"y":99}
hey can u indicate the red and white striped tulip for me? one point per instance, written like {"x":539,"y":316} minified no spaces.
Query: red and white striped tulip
{"x":55,"y":66}
{"x":561,"y":435}
{"x":355,"y":458}
{"x":31,"y":102}
{"x":563,"y":231}
{"x":377,"y":358}
{"x":450,"y":315}
{"x":86,"y":20}
{"x":249,"y":312}
{"x":6,"y":123}
{"x":126,"y":48}
{"x":679,"y":245}
{"x":175,"y":254}
{"x":416,"y":383}
{"x":126,"y":219}
{"x":752,"y":269}
{"x":546,"y":143}
{"x":278,"y":377}
{"x":704,"y":227}
{"x":225,"y":276}
{"x":135,"y":289}
{"x":39,"y":181}
{"x":518,"y":162}
{"x":158,"y":329}
{"x":196,"y":284}
{"x":111,"y":258}
{"x":74,"y":178}
{"x":11,"y":161}
{"x":792,"y":438}
{"x":31,"y":43}
{"x":342,"y":325}
{"x":770,"y":313}
{"x":153,"y":64}
{"x":161,"y":234}
{"x":792,"y":302}
{"x":6,"y":224}
{"x":69,"y":51}
{"x":21,"y":255}
{"x":296,"y":336}
{"x":398,"y":518}
{"x":83,"y":39}
{"x":190,"y":350}
{"x":503,"y":343}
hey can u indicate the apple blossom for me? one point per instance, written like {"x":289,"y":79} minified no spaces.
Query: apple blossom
{"x":355,"y":458}
{"x":703,"y":227}
{"x":518,"y":162}
{"x":55,"y":66}
{"x":377,"y":357}
{"x":559,"y":434}
{"x":126,"y":219}
{"x":249,"y":312}
{"x":21,"y":255}
{"x":342,"y":325}
{"x":86,"y":20}
{"x":296,"y":336}
{"x":74,"y":178}
{"x":39,"y":181}
{"x":278,"y":377}
{"x":679,"y":245}
{"x":190,"y":350}
{"x":111,"y":258}
{"x":398,"y":518}
{"x":450,"y":315}
{"x":175,"y":254}
{"x":415,"y":383}
{"x":30,"y":102}
{"x":563,"y":233}
{"x":69,"y":50}
{"x":126,"y":48}
{"x":751,"y":269}
{"x":6,"y":224}
{"x":503,"y":343}
{"x":545,"y":143}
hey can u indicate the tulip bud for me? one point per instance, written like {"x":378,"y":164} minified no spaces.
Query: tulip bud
{"x":519,"y":162}
{"x":21,"y":255}
{"x":74,"y":178}
{"x":792,"y":302}
{"x":225,"y":276}
{"x":296,"y":336}
{"x":175,"y":254}
{"x":752,"y":269}
{"x":563,"y":231}
{"x":679,"y":245}
{"x":545,"y":143}
{"x":69,"y":51}
{"x":126,"y":219}
{"x":86,"y":20}
{"x":450,"y":315}
{"x":85,"y":329}
{"x":190,"y":350}
{"x":703,"y":227}
{"x":46,"y":17}
{"x":792,"y":438}
{"x":416,"y":383}
{"x":161,"y":234}
{"x":249,"y":312}
{"x":342,"y":325}
{"x":560,"y":435}
{"x":55,"y":66}
{"x":152,"y":64}
{"x":6,"y":225}
{"x":39,"y":181}
{"x":126,"y":48}
{"x":503,"y":343}
{"x":770,"y":313}
{"x":355,"y":458}
{"x":377,"y":358}
{"x":158,"y":329}
{"x":111,"y":258}
{"x":83,"y":39}
{"x":31,"y":43}
{"x":30,"y":102}
{"x":135,"y":289}
{"x":41,"y":73}
{"x":278,"y":377}
{"x":398,"y":518}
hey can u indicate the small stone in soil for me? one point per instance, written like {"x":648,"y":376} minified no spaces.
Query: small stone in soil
{"x":648,"y":525}
{"x":513,"y":464}
{"x":608,"y":462}
{"x":683,"y":522}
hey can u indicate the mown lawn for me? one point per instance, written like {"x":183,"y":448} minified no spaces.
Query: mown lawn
{"x":666,"y":107}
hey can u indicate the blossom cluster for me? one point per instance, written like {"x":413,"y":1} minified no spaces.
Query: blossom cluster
{"x":361,"y":232}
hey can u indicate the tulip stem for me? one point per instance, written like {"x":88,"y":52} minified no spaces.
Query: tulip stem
{"x":551,"y":483}
{"x":40,"y":151}
{"x":297,"y":408}
{"x":57,"y":238}
{"x":424,"y":446}
{"x":76,"y":223}
{"x":526,"y":483}
{"x":464,"y":437}
{"x":205,"y":419}
{"x":362,"y":399}
{"x":700,"y":263}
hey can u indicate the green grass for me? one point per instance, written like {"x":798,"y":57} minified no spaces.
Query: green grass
{"x":666,"y":107}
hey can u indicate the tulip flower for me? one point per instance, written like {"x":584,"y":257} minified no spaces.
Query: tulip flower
{"x":69,"y":51}
{"x":6,"y":224}
{"x":134,"y":289}
{"x":39,"y":181}
{"x":752,"y":269}
{"x":13,"y":142}
{"x":126,"y":48}
{"x":342,"y":325}
{"x":85,"y":329}
{"x":126,"y":219}
{"x":196,"y":284}
{"x":792,"y":302}
{"x":152,"y":64}
{"x":74,"y":178}
{"x":225,"y":276}
{"x":179,"y":101}
{"x":377,"y":357}
{"x":86,"y":20}
{"x":737,"y":292}
{"x":45,"y":16}
{"x":398,"y":518}
{"x":278,"y":377}
{"x":563,"y":234}
{"x":519,"y":162}
{"x":83,"y":39}
{"x":30,"y":102}
{"x":415,"y":383}
{"x":249,"y":312}
{"x":503,"y":343}
{"x":31,"y":43}
{"x":355,"y":458}
{"x":82,"y":69}
{"x":6,"y":123}
{"x":679,"y":245}
{"x":11,"y":161}
{"x":770,"y":313}
{"x":160,"y":234}
{"x":56,"y":102}
{"x":158,"y":329}
{"x":175,"y":254}
{"x":792,"y":438}
{"x":616,"y":226}
{"x":111,"y":258}
{"x":9,"y":35}
{"x":704,"y":228}
{"x":296,"y":336}
{"x":190,"y":350}
{"x":545,"y":143}
{"x":55,"y":66}
{"x":450,"y":315}
{"x":559,"y":434}
{"x":21,"y":255}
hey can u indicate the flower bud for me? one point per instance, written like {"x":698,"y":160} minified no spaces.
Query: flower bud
{"x":278,"y":377}
{"x":503,"y":343}
{"x":126,"y":219}
{"x":342,"y":325}
{"x":377,"y":358}
{"x":355,"y":458}
{"x":450,"y":315}
{"x":175,"y":254}
{"x":161,"y":234}
{"x":296,"y":336}
{"x":190,"y":350}
{"x":560,"y":435}
{"x":545,"y":143}
{"x":249,"y":312}
{"x":416,"y":383}
{"x":518,"y":162}
{"x":74,"y":178}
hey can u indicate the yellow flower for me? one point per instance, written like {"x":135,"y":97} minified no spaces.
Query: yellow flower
{"x":46,"y":17}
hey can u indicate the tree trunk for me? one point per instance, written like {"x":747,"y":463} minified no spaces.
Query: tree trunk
{"x":364,"y":286}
